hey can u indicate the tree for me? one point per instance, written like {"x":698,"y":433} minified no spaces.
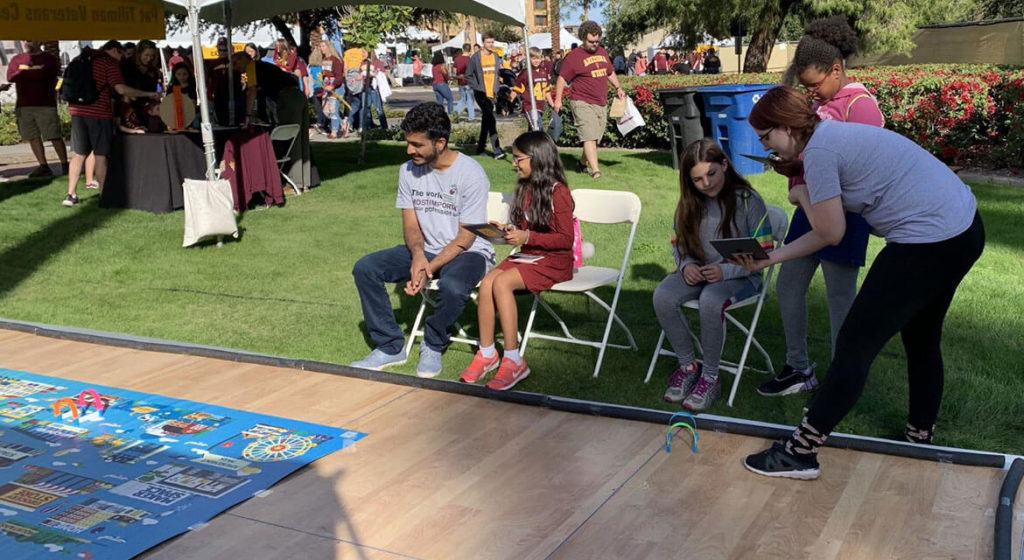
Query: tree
{"x":554,"y":26}
{"x":366,"y":25}
{"x":882,"y":25}
{"x":584,"y":6}
{"x":999,"y":9}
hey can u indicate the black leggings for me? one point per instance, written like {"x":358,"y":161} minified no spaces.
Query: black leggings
{"x":488,"y":126}
{"x":908,"y":291}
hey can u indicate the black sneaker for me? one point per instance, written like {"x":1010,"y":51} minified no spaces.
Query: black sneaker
{"x":41,"y":171}
{"x":774,"y":461}
{"x":789,"y":382}
{"x":70,"y":200}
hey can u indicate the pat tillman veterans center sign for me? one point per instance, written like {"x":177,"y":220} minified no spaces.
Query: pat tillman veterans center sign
{"x":81,"y":19}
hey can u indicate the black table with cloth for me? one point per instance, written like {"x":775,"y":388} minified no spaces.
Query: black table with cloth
{"x":146,"y":171}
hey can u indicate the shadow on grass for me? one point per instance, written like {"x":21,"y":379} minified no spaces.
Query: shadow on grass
{"x":658,"y":158}
{"x":336,"y":160}
{"x":27,"y":256}
{"x":24,"y":186}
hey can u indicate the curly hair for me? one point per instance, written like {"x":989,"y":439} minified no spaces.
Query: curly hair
{"x":589,"y":28}
{"x":825,"y":41}
{"x":430,"y":119}
{"x":545,"y":171}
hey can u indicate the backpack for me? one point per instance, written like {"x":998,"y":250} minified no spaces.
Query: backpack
{"x":78,"y":86}
{"x":352,"y":81}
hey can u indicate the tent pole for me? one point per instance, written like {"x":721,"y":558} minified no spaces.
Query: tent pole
{"x":364,"y":111}
{"x":204,"y":109}
{"x":529,"y":76}
{"x":231,"y":72}
{"x":163,"y":67}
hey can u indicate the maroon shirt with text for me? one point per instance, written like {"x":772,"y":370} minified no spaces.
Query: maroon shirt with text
{"x":588,"y":74}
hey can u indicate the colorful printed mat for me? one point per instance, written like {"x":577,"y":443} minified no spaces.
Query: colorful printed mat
{"x":88,"y":471}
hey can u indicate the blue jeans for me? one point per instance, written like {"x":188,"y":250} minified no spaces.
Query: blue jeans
{"x":466,"y":100}
{"x":455,"y":281}
{"x":443,"y":93}
{"x":375,"y":101}
{"x":332,"y":110}
{"x":356,"y":101}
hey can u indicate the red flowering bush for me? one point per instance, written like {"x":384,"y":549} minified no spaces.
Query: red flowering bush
{"x":961,"y":113}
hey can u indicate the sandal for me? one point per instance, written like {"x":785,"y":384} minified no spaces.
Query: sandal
{"x":595,"y":174}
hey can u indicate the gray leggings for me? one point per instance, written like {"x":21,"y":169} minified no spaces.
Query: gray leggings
{"x":669,"y":297}
{"x":794,"y":279}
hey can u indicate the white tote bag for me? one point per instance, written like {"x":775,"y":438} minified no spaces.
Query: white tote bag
{"x":209,"y":210}
{"x":631,"y":118}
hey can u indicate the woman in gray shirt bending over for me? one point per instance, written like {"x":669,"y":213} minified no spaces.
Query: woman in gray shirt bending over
{"x":933,"y":234}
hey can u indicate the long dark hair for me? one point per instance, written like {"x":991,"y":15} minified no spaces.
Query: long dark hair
{"x":188,"y":89}
{"x":545,"y":170}
{"x":690,"y":210}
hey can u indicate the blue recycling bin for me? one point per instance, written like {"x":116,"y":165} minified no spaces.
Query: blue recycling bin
{"x":727,"y":107}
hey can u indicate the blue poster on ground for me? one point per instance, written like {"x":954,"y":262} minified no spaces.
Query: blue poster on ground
{"x":95,"y":472}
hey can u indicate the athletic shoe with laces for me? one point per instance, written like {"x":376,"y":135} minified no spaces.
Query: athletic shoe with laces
{"x":705,"y":393}
{"x":41,"y":171}
{"x":378,"y":360}
{"x":789,"y":381}
{"x":682,"y":382}
{"x":774,"y":461}
{"x":92,"y":185}
{"x":499,"y":154}
{"x":430,"y":362}
{"x":509,"y":373}
{"x":70,"y":200}
{"x":479,"y":367}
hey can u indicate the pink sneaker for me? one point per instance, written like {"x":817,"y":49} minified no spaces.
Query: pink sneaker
{"x":508,"y":375}
{"x":479,"y":367}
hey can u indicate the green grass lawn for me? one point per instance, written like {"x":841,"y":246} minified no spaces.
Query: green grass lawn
{"x":286,"y":288}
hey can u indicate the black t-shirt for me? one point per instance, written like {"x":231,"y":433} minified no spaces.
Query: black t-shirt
{"x":271,"y":80}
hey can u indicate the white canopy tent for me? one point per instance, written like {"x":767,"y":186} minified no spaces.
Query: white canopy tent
{"x":244,"y":11}
{"x":543,"y":40}
{"x":457,"y":41}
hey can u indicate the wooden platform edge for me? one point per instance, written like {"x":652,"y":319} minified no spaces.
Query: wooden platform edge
{"x":739,"y":426}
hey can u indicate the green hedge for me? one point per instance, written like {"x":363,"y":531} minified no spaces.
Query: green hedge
{"x":962,"y":114}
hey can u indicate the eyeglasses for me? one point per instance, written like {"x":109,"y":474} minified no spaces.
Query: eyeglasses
{"x":815,"y":86}
{"x":764,"y":136}
{"x":516,"y":160}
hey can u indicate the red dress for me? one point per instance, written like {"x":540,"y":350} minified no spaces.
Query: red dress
{"x":555,"y":245}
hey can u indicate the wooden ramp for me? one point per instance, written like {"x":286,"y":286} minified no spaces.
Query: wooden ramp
{"x":444,"y":476}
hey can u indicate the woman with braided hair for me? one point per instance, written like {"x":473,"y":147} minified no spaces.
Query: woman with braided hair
{"x":818,"y":68}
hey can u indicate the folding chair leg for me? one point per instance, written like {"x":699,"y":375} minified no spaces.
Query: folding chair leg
{"x":416,"y":326}
{"x":654,"y":359}
{"x":629,"y":335}
{"x":529,"y":326}
{"x":298,"y":191}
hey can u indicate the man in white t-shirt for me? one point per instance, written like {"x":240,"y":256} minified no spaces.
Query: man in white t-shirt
{"x":438,"y":191}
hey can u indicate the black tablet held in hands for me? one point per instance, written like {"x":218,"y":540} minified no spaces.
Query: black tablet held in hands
{"x":488,"y":231}
{"x":739,"y":245}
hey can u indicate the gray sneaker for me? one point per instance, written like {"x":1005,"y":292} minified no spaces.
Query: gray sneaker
{"x":705,"y":393}
{"x":378,"y":360}
{"x":681,"y":383}
{"x":430,"y":362}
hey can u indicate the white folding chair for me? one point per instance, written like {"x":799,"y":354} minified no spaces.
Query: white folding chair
{"x":285,"y":133}
{"x":598,"y":207}
{"x":779,"y":221}
{"x":498,"y":206}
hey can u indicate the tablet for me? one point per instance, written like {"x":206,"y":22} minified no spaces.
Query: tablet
{"x":770,"y":159}
{"x":488,"y":231}
{"x":738,"y":245}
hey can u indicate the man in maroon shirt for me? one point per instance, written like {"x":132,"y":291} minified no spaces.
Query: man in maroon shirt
{"x":660,"y":62}
{"x":92,"y":126}
{"x":460,"y":63}
{"x":34,"y":73}
{"x":589,"y":69}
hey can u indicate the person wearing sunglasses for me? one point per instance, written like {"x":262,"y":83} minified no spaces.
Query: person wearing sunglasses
{"x":934,"y":235}
{"x":818,"y":69}
{"x":589,"y":68}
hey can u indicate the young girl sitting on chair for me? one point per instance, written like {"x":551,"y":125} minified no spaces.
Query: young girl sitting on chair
{"x":715,"y":202}
{"x":540,"y":224}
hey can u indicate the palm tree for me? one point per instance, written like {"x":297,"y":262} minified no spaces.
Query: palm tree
{"x":555,"y":26}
